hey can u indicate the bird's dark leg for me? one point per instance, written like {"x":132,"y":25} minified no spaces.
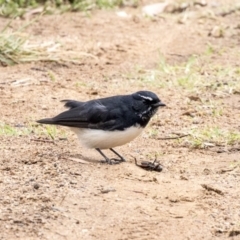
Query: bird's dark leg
{"x":106,"y":158}
{"x":121,"y":158}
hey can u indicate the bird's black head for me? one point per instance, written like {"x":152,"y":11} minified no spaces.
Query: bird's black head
{"x":148,"y":98}
{"x":146,"y":104}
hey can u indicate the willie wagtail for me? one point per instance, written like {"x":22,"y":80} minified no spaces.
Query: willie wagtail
{"x":109,"y":122}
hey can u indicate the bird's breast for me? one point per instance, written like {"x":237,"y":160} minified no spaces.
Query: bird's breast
{"x":95,"y":138}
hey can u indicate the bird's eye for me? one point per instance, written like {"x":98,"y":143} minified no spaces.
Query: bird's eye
{"x":147,"y":101}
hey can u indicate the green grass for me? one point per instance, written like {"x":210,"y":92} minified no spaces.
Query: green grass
{"x":8,"y":130}
{"x":196,"y":75}
{"x":16,"y":8}
{"x":34,"y":130}
{"x":12,"y":47}
{"x":211,"y":136}
{"x":210,"y":83}
{"x":184,"y":75}
{"x":17,"y":47}
{"x":52,"y":76}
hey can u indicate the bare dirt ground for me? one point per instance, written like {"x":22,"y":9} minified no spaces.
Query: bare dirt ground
{"x":52,"y":188}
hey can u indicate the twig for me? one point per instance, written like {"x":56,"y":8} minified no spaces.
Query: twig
{"x":227,"y":170}
{"x":170,"y":138}
{"x":79,"y":160}
{"x":135,"y":191}
{"x":213,"y":189}
{"x":62,"y":200}
{"x":42,"y":140}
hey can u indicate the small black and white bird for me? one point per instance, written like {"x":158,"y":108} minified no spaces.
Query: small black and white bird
{"x":109,"y":122}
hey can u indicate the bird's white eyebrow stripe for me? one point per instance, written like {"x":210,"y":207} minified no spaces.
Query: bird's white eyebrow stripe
{"x":148,"y":98}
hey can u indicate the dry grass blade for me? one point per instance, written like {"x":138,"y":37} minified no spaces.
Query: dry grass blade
{"x":16,"y":48}
{"x":171,"y":138}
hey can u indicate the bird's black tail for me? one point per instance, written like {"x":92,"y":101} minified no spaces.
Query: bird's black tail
{"x":46,"y":121}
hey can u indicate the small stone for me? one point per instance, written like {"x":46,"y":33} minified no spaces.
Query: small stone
{"x":73,"y":182}
{"x":217,"y":32}
{"x":201,"y":3}
{"x":154,"y":9}
{"x":196,"y":121}
{"x":44,"y":107}
{"x":122,"y":14}
{"x":94,"y":93}
{"x":36,"y":186}
{"x":189,"y":113}
{"x":234,"y":233}
{"x":107,"y":190}
{"x":173,"y":200}
{"x":194,"y":98}
{"x":208,"y":144}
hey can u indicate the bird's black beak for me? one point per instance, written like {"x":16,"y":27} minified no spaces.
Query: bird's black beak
{"x":159,"y":104}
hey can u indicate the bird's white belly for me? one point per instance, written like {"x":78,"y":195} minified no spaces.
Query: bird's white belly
{"x":95,"y":138}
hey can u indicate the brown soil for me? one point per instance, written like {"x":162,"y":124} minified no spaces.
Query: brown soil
{"x":55,"y":189}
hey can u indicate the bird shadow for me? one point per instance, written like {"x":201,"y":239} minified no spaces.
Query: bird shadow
{"x":87,"y":160}
{"x":83,"y":159}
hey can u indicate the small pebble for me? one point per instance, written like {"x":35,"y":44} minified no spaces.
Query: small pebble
{"x":36,"y":186}
{"x":107,"y":190}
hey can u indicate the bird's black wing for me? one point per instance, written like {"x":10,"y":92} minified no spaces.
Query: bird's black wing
{"x":93,"y":114}
{"x":71,"y":103}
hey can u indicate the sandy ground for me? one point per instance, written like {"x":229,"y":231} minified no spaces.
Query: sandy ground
{"x":53,"y":188}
